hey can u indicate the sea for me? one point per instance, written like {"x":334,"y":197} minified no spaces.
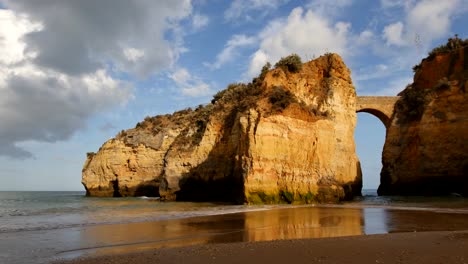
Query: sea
{"x":41,"y":227}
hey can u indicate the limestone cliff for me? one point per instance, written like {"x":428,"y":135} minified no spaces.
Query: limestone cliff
{"x":426,"y":148}
{"x":286,"y":137}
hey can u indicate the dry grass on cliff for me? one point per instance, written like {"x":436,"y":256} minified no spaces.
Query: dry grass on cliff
{"x":416,"y":97}
{"x":452,"y":44}
{"x":236,"y":99}
{"x":246,"y":96}
{"x":190,"y":124}
{"x":291,"y":63}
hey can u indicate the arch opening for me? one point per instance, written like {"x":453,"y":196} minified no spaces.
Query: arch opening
{"x":369,"y":137}
{"x":377,"y":113}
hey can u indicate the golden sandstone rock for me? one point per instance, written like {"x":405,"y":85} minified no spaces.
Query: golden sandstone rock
{"x":289,"y":137}
{"x":426,"y":148}
{"x":285,"y":137}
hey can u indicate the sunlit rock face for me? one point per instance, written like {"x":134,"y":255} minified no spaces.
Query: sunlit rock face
{"x":286,"y":137}
{"x":119,"y":169}
{"x":307,"y":151}
{"x":426,"y":148}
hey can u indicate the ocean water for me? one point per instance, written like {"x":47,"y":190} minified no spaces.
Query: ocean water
{"x":28,"y":211}
{"x":37,"y":227}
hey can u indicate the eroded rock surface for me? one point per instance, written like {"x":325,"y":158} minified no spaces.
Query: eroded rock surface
{"x":426,"y":148}
{"x":285,"y":137}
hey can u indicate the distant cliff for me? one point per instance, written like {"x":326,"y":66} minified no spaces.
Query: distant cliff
{"x":286,"y":137}
{"x":426,"y":148}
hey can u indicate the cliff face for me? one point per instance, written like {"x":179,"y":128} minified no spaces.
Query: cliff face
{"x":128,"y":165}
{"x":426,"y":149}
{"x":285,"y":137}
{"x":307,"y":152}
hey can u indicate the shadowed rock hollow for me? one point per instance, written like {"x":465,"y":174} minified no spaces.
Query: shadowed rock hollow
{"x":286,"y":137}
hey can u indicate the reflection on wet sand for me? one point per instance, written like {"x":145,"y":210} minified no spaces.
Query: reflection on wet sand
{"x":303,"y":223}
{"x":291,"y":223}
{"x":285,"y":223}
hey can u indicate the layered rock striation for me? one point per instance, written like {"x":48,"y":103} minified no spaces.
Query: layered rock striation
{"x":426,"y":148}
{"x":286,"y":137}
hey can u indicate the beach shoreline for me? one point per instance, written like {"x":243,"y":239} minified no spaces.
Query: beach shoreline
{"x":408,"y":247}
{"x":257,"y":227}
{"x":305,"y":235}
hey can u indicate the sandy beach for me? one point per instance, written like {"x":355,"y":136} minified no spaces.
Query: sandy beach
{"x":415,"y":247}
{"x":302,"y":235}
{"x":312,"y":234}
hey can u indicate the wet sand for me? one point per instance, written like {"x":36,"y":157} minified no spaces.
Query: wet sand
{"x":415,"y":247}
{"x":305,"y":235}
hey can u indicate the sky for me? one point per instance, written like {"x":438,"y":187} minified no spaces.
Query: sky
{"x":73,"y":73}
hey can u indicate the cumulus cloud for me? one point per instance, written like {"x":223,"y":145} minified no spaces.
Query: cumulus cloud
{"x":79,"y":37}
{"x":427,"y":19}
{"x":230,"y":49}
{"x":303,"y":32}
{"x":13,"y":28}
{"x":190,"y":85}
{"x":244,"y":9}
{"x":432,"y":18}
{"x":393,"y":34}
{"x":401,"y":37}
{"x":50,"y":106}
{"x":59,"y":59}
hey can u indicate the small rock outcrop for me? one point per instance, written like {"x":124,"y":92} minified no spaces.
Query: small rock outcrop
{"x":286,"y":137}
{"x":426,"y":148}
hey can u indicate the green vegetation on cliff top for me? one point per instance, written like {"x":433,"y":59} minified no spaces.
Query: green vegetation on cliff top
{"x":242,"y":95}
{"x":452,"y":44}
{"x":415,"y":99}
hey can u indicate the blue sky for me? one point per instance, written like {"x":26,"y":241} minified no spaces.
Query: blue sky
{"x":75,"y":73}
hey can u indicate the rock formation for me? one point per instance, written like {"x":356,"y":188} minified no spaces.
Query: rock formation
{"x":426,"y":148}
{"x":286,"y":137}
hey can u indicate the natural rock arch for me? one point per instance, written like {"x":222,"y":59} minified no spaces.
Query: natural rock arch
{"x":379,"y":106}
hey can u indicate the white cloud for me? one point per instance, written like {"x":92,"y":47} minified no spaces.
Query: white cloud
{"x":258,"y":60}
{"x":410,"y":30}
{"x":199,"y":21}
{"x":181,"y":76}
{"x":393,"y":34}
{"x":49,"y":106}
{"x":365,"y":38}
{"x":133,"y":55}
{"x":432,"y":17}
{"x":427,"y":20}
{"x":242,"y":10}
{"x":57,"y":57}
{"x":305,"y":33}
{"x":230,"y":49}
{"x":79,"y":37}
{"x":13,"y":28}
{"x":190,"y":85}
{"x":197,"y":89}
